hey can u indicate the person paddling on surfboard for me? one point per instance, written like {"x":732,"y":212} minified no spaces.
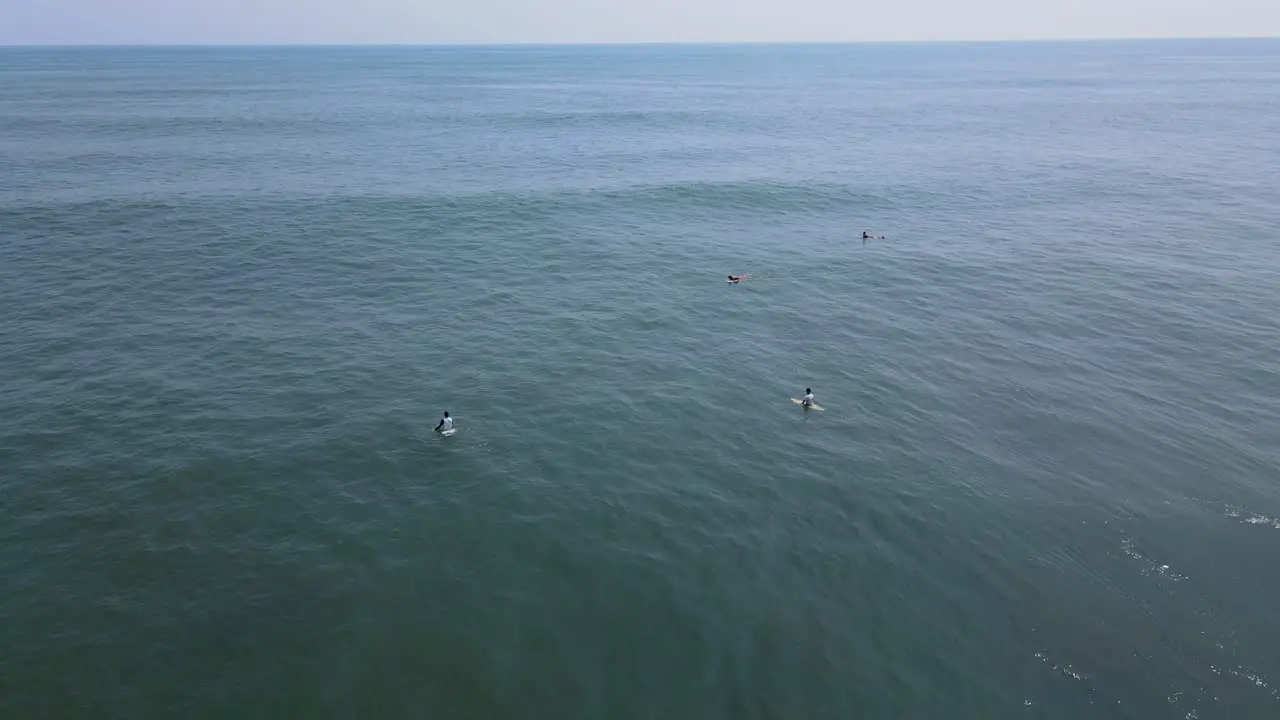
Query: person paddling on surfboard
{"x":735,"y":279}
{"x":446,"y":423}
{"x":868,"y":236}
{"x":807,"y":401}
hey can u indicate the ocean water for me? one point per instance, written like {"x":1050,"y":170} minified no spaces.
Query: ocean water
{"x":238,"y":287}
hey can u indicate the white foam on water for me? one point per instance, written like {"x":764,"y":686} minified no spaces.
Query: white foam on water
{"x":1248,"y":676}
{"x":1176,"y":700}
{"x":1067,"y":670}
{"x":1251,"y":518}
{"x":1150,"y":567}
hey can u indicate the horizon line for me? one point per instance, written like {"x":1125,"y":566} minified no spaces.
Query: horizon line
{"x":635,"y":43}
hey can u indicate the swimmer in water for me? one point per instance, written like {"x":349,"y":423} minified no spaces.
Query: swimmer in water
{"x":446,"y":423}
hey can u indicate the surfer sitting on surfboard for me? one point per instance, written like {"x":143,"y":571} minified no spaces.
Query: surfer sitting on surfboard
{"x":735,"y":279}
{"x":446,"y":423}
{"x":807,"y":400}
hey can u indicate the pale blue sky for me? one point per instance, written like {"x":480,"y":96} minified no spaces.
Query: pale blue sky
{"x":572,"y":21}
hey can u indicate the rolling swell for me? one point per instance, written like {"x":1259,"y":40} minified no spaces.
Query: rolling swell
{"x":496,"y":208}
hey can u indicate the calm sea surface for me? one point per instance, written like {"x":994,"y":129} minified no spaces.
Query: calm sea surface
{"x":238,"y":287}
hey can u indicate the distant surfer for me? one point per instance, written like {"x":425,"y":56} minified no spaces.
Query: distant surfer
{"x":807,"y":401}
{"x":868,"y":236}
{"x":735,"y":279}
{"x":446,"y":423}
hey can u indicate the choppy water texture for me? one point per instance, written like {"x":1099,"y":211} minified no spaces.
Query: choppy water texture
{"x":239,"y":286}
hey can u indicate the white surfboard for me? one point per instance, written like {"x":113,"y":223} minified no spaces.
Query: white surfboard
{"x":449,"y":432}
{"x":814,"y":406}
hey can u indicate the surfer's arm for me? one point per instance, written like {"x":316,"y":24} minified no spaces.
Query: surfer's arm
{"x":439,"y":426}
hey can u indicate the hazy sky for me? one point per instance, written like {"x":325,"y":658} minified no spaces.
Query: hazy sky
{"x":514,"y":21}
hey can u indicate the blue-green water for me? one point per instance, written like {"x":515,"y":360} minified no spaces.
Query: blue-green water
{"x":239,"y":286}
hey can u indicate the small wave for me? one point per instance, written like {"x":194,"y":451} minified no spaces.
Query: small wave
{"x":1150,"y":567}
{"x":1176,"y":700}
{"x":661,"y":119}
{"x":1066,"y":670}
{"x":1248,"y":676}
{"x":1251,"y":518}
{"x":758,"y":195}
